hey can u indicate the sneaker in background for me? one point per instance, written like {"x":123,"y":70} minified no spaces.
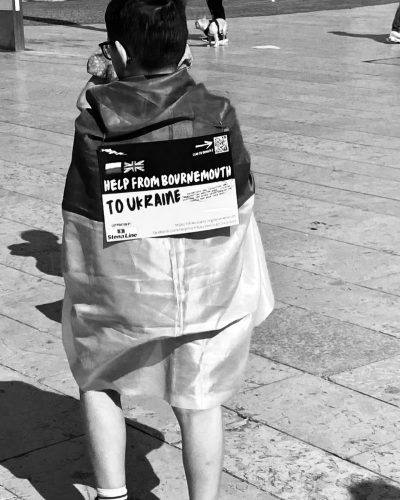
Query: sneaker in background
{"x":394,"y":37}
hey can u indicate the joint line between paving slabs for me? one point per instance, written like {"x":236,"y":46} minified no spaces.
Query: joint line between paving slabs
{"x":250,"y":483}
{"x":280,"y":363}
{"x":388,"y":252}
{"x":39,"y":277}
{"x":78,"y":436}
{"x":131,"y":423}
{"x":357,"y":391}
{"x":358,"y":284}
{"x":11,"y":493}
{"x":326,"y":186}
{"x":343,"y":141}
{"x":373,"y":449}
{"x":341,"y":320}
{"x":330,"y":202}
{"x":328,"y":452}
{"x":36,"y":167}
{"x":37,"y":380}
{"x":34,"y":128}
{"x":328,"y":169}
{"x":29,"y":226}
{"x":312,"y":137}
{"x":28,"y":196}
{"x":29,"y":326}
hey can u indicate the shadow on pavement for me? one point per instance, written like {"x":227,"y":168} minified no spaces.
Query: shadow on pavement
{"x":41,"y":441}
{"x":52,"y":310}
{"x":44,"y":247}
{"x":372,"y":36}
{"x":376,"y":490}
{"x":62,"y":22}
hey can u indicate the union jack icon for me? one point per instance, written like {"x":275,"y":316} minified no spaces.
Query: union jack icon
{"x":133,"y":166}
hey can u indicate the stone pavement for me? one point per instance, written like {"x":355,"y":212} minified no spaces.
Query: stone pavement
{"x":318,"y":416}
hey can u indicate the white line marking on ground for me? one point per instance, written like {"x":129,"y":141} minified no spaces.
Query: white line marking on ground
{"x":264,"y":47}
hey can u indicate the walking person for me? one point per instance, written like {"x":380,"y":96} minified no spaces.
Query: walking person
{"x":168,"y":316}
{"x":216,"y":9}
{"x":394,"y":35}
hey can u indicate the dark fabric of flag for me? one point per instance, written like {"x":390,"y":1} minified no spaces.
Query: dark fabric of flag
{"x":172,"y":316}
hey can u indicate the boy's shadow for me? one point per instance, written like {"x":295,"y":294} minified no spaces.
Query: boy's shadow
{"x":45,"y":248}
{"x":374,"y":490}
{"x":372,"y":36}
{"x":41,"y":440}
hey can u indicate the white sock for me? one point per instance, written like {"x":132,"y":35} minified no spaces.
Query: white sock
{"x":115,"y":493}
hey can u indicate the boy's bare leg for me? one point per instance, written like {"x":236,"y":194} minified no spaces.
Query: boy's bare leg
{"x":202,"y":450}
{"x":106,"y":436}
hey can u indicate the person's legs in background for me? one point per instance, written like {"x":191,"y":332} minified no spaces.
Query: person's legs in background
{"x":216,"y":9}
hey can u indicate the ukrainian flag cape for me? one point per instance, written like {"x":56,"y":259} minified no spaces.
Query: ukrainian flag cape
{"x":128,"y":293}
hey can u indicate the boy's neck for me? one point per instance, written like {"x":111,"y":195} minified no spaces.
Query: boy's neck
{"x":136,"y":70}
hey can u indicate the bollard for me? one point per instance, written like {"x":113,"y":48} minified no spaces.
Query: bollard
{"x":11,"y":25}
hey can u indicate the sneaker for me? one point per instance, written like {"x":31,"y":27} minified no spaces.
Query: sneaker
{"x":394,"y":37}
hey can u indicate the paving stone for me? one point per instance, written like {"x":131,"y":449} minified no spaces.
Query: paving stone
{"x":33,"y":181}
{"x":383,"y":460}
{"x":32,"y":416}
{"x":380,"y":380}
{"x":25,"y":152}
{"x":277,"y":155}
{"x":37,"y":134}
{"x":364,"y":121}
{"x":323,"y":414}
{"x":344,"y":197}
{"x":294,"y":470}
{"x":388,"y":284}
{"x":261,"y":371}
{"x":279,"y":305}
{"x":30,"y":351}
{"x":36,"y":119}
{"x":335,"y":259}
{"x":324,"y":132}
{"x":154,"y":471}
{"x":155,"y":413}
{"x":318,"y":344}
{"x":31,"y":211}
{"x":39,"y":110}
{"x":14,"y":280}
{"x":336,"y":298}
{"x":6,"y":495}
{"x":158,"y":415}
{"x":36,"y":307}
{"x":360,"y":227}
{"x":33,"y":251}
{"x":333,"y":183}
{"x":63,"y":382}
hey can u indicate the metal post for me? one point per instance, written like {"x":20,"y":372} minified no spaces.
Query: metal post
{"x":11,"y":25}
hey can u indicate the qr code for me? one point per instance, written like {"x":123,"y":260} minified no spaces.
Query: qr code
{"x":221,"y":144}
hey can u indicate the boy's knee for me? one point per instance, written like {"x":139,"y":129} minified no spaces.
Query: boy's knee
{"x":98,"y":396}
{"x":188,"y":415}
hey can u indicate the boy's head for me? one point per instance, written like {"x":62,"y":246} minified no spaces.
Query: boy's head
{"x":152,"y":32}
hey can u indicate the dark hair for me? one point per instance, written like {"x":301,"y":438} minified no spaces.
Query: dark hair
{"x":154,"y":32}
